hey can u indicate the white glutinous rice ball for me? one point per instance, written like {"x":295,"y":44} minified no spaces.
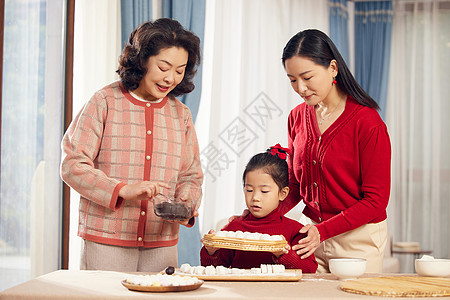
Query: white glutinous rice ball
{"x":246,"y":234}
{"x":210,"y":270}
{"x":131,"y":279}
{"x":264,"y":269}
{"x":269,"y":269}
{"x":199,"y":270}
{"x":222,"y":233}
{"x":231,"y":234}
{"x":265,"y":237}
{"x":258,"y":236}
{"x":276,"y":238}
{"x":221,"y":270}
{"x":235,"y":271}
{"x":254,"y":236}
{"x":278,"y":268}
{"x":239,"y":234}
{"x":255,"y":270}
{"x":185,"y":268}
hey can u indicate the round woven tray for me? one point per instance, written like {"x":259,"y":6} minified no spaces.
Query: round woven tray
{"x":243,"y":244}
{"x":399,"y":286}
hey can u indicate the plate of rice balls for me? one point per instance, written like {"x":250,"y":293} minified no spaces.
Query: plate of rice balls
{"x":165,"y":281}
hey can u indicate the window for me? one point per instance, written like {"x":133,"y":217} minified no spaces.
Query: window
{"x":418,"y":123}
{"x":31,"y":131}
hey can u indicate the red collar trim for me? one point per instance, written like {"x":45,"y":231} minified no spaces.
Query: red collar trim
{"x":142,"y":103}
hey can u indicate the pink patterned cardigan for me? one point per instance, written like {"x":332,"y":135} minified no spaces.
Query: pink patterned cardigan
{"x":117,"y":140}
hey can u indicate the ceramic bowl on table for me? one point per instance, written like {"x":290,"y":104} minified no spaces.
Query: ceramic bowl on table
{"x":347,"y":268}
{"x":172,"y":209}
{"x":433,"y":267}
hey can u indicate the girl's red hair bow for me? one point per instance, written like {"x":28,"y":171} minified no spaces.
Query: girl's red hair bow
{"x":279,"y":151}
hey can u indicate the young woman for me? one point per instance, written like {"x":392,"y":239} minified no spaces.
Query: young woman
{"x":132,"y":140}
{"x":340,"y":156}
{"x":266,"y":180}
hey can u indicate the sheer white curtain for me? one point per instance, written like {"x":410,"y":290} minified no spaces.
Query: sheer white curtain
{"x":246,"y":95}
{"x":31,"y":108}
{"x":96,"y":52}
{"x":417,"y":117}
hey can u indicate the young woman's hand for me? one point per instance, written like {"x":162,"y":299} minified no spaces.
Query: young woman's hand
{"x":144,"y":190}
{"x":281,"y":252}
{"x":307,"y":245}
{"x":211,"y":250}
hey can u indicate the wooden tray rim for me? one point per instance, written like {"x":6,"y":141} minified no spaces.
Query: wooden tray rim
{"x":240,"y":240}
{"x":161,"y":289}
{"x":243,"y":244}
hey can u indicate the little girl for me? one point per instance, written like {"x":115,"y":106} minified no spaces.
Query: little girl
{"x":266,"y":184}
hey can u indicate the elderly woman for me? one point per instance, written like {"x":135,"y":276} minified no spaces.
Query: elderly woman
{"x":132,"y":140}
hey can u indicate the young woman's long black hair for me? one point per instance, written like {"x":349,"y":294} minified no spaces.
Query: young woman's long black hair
{"x":317,"y":46}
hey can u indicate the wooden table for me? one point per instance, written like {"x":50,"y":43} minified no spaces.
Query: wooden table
{"x":66,"y":284}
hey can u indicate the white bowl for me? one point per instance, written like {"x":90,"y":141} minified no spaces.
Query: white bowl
{"x":435,"y":267}
{"x":347,"y":268}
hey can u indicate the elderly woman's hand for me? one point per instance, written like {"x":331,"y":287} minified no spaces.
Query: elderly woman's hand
{"x":307,"y":245}
{"x":144,"y":190}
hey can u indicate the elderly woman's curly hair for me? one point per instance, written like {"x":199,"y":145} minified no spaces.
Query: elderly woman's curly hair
{"x":147,"y":40}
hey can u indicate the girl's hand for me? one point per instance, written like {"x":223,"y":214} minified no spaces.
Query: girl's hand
{"x":244,"y":213}
{"x":307,"y":245}
{"x":281,"y":252}
{"x":144,"y":190}
{"x":211,"y":250}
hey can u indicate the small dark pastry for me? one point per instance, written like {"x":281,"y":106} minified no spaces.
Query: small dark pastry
{"x":170,"y":270}
{"x":172,"y":211}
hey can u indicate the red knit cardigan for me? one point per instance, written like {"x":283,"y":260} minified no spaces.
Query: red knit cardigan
{"x":343,"y":175}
